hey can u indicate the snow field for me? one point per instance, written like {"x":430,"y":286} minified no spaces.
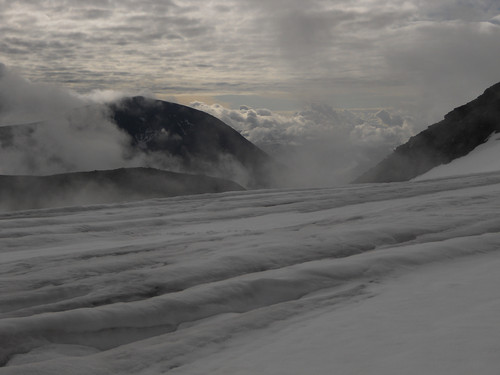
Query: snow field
{"x":192,"y":283}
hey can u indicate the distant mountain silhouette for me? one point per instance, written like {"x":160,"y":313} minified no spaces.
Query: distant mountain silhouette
{"x":95,"y":187}
{"x":462,"y":130}
{"x":201,"y":142}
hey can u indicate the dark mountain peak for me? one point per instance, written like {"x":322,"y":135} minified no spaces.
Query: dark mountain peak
{"x":491,"y":92}
{"x":489,"y":98}
{"x":201,"y":142}
{"x":462,"y":130}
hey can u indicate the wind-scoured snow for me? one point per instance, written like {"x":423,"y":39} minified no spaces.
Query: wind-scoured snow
{"x":484,"y":158}
{"x":377,"y":278}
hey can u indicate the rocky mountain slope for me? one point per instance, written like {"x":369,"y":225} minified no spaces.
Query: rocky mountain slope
{"x":460,"y":132}
{"x":200,"y":142}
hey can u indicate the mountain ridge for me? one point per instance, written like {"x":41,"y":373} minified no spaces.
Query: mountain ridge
{"x":461,"y":130}
{"x":19,"y":192}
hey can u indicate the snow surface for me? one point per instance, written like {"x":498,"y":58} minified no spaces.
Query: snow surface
{"x":365,"y":279}
{"x":484,"y":158}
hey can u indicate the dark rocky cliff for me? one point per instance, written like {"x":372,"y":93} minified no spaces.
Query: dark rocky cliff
{"x":462,"y":130}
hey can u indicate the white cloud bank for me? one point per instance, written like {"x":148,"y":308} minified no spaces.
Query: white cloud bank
{"x":323,"y":146}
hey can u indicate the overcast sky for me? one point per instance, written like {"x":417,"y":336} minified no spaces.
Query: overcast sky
{"x":267,"y":53}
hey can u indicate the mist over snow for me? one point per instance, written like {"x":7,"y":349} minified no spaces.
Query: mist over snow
{"x":321,"y":145}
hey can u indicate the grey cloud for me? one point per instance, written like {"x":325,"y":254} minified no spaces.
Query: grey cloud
{"x":24,"y":102}
{"x":316,"y":26}
{"x":387,"y":118}
{"x":149,"y":5}
{"x":91,"y":14}
{"x":193,"y":30}
{"x":495,"y":20}
{"x":312,"y":26}
{"x":13,"y":50}
{"x":464,"y":10}
{"x":35,"y":44}
{"x":448,"y":64}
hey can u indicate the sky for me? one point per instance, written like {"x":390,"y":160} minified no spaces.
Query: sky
{"x":421,"y":55}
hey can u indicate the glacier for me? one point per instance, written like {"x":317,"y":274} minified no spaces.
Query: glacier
{"x":370,"y":278}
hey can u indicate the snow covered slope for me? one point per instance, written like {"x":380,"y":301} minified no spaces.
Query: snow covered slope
{"x":484,"y":158}
{"x":377,"y":278}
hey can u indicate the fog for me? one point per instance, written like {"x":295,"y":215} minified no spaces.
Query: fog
{"x":321,"y":145}
{"x":65,"y":132}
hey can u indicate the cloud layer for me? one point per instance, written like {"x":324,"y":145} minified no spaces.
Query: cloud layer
{"x":344,"y":53}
